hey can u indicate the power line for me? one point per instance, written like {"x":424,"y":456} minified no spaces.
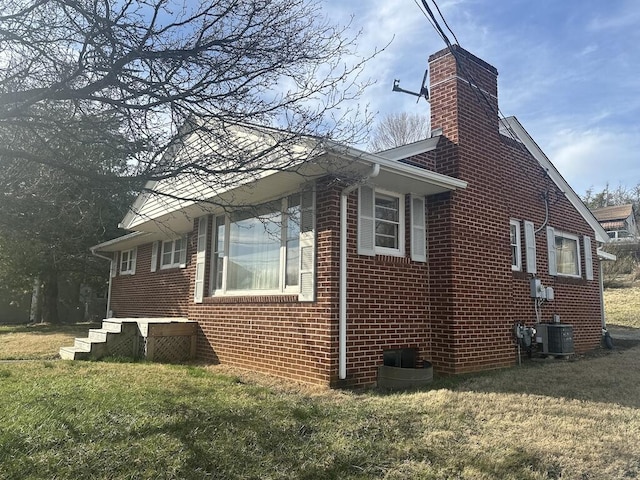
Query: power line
{"x":492,"y":111}
{"x":445,"y":22}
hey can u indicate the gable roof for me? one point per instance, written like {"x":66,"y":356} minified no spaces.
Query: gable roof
{"x":171,"y":205}
{"x":513,"y":127}
{"x":616,"y":212}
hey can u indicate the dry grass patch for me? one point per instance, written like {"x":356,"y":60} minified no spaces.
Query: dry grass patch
{"x":545,"y":420}
{"x":622,"y":306}
{"x":38,"y":342}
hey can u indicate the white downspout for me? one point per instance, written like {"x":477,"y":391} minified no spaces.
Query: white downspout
{"x":604,"y":318}
{"x":342,"y":326}
{"x":95,"y":254}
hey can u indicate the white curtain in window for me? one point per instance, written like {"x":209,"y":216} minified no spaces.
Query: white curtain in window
{"x":254,"y":253}
{"x":567,"y":256}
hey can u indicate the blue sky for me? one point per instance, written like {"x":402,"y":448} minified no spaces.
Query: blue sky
{"x":569,"y":70}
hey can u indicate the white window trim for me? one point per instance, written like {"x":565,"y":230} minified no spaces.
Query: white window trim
{"x":367,"y":223}
{"x":176,"y":262}
{"x":395,"y":252}
{"x":576,"y":238}
{"x":518,"y":266}
{"x":282,"y":289}
{"x":131,"y":262}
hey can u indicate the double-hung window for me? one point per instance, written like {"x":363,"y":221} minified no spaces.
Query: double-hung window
{"x":564,"y":253}
{"x":173,"y":253}
{"x":516,"y":246}
{"x":567,"y":254}
{"x":259,"y":251}
{"x":128,"y":262}
{"x":381,"y":222}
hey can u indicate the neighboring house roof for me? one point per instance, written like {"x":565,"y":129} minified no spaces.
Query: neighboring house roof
{"x":614,"y":213}
{"x":513,"y":126}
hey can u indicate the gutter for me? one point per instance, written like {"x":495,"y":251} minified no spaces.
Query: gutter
{"x":96,"y":254}
{"x":342,"y":324}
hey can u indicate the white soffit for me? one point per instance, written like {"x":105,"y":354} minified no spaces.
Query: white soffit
{"x":523,"y":136}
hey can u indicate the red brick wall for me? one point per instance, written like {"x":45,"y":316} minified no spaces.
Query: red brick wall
{"x":163,"y":293}
{"x":577,"y":301}
{"x":278,"y":334}
{"x":387,"y":308}
{"x":469,"y":229}
{"x":476,"y":298}
{"x":387,"y":305}
{"x":458,"y":309}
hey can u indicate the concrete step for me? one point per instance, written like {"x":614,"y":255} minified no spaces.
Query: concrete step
{"x":120,"y":336}
{"x":82,"y":344}
{"x":96,"y":349}
{"x":99,"y":335}
{"x":112,"y":326}
{"x":72,"y":353}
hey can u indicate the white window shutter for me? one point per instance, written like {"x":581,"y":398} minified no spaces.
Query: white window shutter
{"x":307,"y":248}
{"x":114,"y":265}
{"x":551,"y":250}
{"x":418,"y":230}
{"x":154,"y":256}
{"x":366,"y":221}
{"x":201,"y":253}
{"x":134,"y":254}
{"x":588,"y":258}
{"x":530,"y":246}
{"x":183,"y":252}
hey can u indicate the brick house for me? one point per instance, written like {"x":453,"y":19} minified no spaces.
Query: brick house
{"x":619,"y":221}
{"x":429,"y":246}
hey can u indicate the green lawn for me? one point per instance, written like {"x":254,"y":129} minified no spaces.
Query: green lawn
{"x":547,"y":420}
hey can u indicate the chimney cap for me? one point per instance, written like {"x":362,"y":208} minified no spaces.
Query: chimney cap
{"x":458,"y":50}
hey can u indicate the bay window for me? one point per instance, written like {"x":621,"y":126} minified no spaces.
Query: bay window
{"x":259,"y":251}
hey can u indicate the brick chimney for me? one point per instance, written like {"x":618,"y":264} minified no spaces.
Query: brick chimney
{"x":470,"y":268}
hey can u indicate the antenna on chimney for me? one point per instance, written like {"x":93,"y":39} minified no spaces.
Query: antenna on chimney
{"x":424,"y":91}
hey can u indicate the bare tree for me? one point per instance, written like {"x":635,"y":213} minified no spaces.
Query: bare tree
{"x":162,"y":71}
{"x":397,"y":129}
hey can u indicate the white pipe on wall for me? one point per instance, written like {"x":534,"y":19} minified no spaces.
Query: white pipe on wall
{"x":342,"y":326}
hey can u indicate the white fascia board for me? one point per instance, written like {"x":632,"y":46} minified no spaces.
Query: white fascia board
{"x":602,"y":255}
{"x":399,"y":171}
{"x":123,"y":243}
{"x":410,"y":150}
{"x":523,"y":136}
